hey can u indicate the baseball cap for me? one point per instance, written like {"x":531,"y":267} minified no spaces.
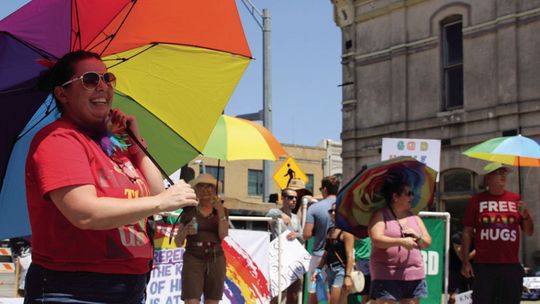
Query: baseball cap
{"x":492,"y":167}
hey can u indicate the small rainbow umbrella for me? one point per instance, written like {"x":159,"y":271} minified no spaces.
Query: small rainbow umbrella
{"x":239,"y":139}
{"x":511,"y":150}
{"x":361,"y":196}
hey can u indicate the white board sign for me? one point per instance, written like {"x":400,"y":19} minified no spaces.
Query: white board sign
{"x":427,"y":151}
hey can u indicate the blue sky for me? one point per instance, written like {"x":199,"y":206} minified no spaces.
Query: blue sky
{"x":306,"y":70}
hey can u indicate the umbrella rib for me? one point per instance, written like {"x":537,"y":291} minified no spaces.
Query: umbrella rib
{"x":109,"y":38}
{"x":48,"y":112}
{"x":159,"y":119}
{"x":122,"y":60}
{"x":78,"y":33}
{"x":38,"y":51}
{"x":154,"y":44}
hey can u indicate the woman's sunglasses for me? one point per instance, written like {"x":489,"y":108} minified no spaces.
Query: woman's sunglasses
{"x":90,"y":80}
{"x":331,"y":211}
{"x":409,"y":193}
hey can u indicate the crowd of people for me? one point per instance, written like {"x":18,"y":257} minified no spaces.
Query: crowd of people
{"x":91,"y":240}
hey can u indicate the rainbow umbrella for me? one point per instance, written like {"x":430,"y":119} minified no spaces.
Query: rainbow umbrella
{"x":361,"y":196}
{"x":177,"y":63}
{"x":236,"y":138}
{"x":511,"y":150}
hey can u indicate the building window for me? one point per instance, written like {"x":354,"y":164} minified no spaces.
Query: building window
{"x":309,"y":185}
{"x":255,"y":182}
{"x":457,"y":187}
{"x":458,"y":181}
{"x":452,"y":65}
{"x":213,"y":170}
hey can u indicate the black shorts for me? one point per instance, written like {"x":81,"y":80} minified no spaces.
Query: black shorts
{"x":497,"y":283}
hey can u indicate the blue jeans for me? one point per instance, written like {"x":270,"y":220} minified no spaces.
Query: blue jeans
{"x":49,"y":286}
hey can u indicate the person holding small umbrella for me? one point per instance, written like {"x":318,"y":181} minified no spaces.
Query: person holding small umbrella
{"x":89,"y":193}
{"x":397,"y":235}
{"x":494,"y":219}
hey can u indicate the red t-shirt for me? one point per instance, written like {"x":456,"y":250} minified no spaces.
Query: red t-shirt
{"x":60,"y":155}
{"x":497,"y":224}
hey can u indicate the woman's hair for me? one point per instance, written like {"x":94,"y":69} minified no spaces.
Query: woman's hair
{"x":393,"y":183}
{"x":62,"y":71}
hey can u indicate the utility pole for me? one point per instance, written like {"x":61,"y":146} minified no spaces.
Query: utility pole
{"x":264,"y":25}
{"x":267,"y":98}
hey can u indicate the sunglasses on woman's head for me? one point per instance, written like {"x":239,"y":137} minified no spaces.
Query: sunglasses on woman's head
{"x":90,"y":80}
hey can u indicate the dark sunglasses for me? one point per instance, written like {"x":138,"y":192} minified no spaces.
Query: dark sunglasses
{"x":290,"y":196}
{"x":331,"y":211}
{"x":409,"y":193}
{"x":90,"y":80}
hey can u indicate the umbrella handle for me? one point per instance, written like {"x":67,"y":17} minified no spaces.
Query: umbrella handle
{"x":130,"y":133}
{"x":134,"y":138}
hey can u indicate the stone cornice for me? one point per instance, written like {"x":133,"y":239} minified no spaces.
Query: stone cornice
{"x":444,"y":119}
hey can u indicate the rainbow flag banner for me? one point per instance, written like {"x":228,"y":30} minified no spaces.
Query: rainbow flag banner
{"x":247,"y":279}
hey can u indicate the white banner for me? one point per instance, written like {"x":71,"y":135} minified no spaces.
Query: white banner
{"x":427,"y":151}
{"x":247,"y":270}
{"x":294,"y":263}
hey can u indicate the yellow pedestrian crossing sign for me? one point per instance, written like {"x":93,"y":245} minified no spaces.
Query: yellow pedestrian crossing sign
{"x":287,"y":171}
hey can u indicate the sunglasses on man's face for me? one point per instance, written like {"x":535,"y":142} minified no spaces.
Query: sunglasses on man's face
{"x":290,"y":196}
{"x":90,"y":80}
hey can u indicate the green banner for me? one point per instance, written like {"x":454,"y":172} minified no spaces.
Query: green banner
{"x":434,"y":260}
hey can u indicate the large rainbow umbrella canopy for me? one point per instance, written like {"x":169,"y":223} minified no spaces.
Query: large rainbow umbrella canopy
{"x":362,"y":196}
{"x":511,"y":150}
{"x":177,"y":63}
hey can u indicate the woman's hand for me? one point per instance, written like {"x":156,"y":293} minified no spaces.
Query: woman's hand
{"x":124,"y":120}
{"x":314,"y":275}
{"x":190,"y":228}
{"x":347,"y":283}
{"x":409,"y":243}
{"x":178,"y":196}
{"x":218,"y":205}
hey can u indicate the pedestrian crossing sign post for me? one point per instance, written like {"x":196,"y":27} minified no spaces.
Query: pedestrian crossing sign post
{"x":287,"y":171}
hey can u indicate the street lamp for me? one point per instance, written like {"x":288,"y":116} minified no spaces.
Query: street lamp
{"x":264,"y":25}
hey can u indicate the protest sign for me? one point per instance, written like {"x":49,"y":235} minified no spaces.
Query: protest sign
{"x":294,"y":263}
